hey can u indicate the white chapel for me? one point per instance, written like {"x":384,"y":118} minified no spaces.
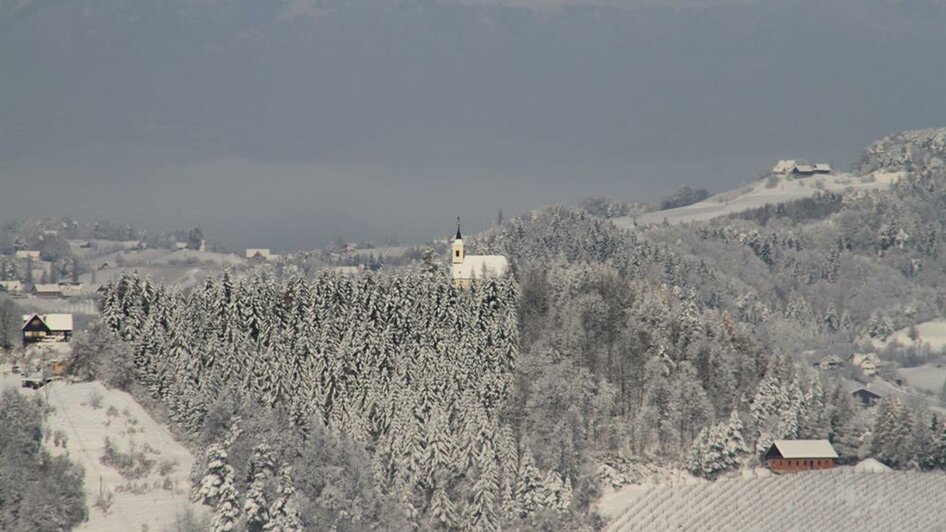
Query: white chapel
{"x":466,"y":269}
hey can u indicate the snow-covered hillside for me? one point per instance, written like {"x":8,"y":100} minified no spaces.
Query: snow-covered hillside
{"x":155,"y":486}
{"x":760,"y":193}
{"x":839,"y":500}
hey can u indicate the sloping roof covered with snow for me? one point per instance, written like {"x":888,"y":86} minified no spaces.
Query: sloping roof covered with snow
{"x":47,"y":288}
{"x":784,"y":166}
{"x":476,"y":266}
{"x":253,"y":252}
{"x":866,"y":392}
{"x":871,"y":466}
{"x":55,"y":322}
{"x":860,"y":359}
{"x":27,"y":253}
{"x":805,"y":449}
{"x":822,"y":167}
{"x":12,"y":286}
{"x":804,"y":168}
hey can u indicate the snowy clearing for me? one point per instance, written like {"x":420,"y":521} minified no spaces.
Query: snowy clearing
{"x":757,"y":194}
{"x":932,"y":333}
{"x":153,"y":499}
{"x":841,"y":499}
{"x":928,"y":377}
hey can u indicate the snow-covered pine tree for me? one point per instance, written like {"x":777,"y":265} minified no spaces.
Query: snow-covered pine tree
{"x":255,"y":504}
{"x":208,"y":491}
{"x":442,"y":509}
{"x":226,"y":516}
{"x":283,"y":512}
{"x":556,"y":496}
{"x":529,"y":494}
{"x":718,"y":448}
{"x":891,"y":438}
{"x":483,"y":509}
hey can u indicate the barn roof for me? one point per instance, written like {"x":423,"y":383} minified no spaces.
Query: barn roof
{"x":865,"y":391}
{"x":253,"y":252}
{"x":11,"y":285}
{"x":55,"y":322}
{"x":871,"y":465}
{"x":47,"y":288}
{"x":805,"y":449}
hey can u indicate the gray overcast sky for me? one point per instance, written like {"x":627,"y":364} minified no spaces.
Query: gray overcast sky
{"x":288,"y":123}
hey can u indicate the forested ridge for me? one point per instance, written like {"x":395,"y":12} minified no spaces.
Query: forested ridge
{"x":497,"y":406}
{"x":408,"y":367}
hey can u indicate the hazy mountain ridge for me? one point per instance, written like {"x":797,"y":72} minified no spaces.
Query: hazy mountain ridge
{"x":633,"y":345}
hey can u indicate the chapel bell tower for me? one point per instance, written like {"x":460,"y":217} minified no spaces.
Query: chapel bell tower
{"x":457,"y":256}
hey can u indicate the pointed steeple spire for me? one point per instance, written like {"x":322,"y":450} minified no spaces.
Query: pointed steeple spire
{"x":458,"y":237}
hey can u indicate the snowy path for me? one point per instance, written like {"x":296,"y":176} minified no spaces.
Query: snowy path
{"x":148,"y":503}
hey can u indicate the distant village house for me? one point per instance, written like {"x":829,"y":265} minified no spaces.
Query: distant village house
{"x":46,"y":328}
{"x":11,"y":286}
{"x":788,"y":456}
{"x":259,"y":254}
{"x":800,"y":168}
{"x":866,"y":362}
{"x":70,"y":289}
{"x":866,"y":397}
{"x":27,"y":254}
{"x":47,"y":290}
{"x":829,"y":362}
{"x":350,"y":271}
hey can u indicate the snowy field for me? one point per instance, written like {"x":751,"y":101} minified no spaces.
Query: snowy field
{"x":757,"y":194}
{"x":43,"y":305}
{"x":152,"y":499}
{"x":927,"y":377}
{"x":839,"y":500}
{"x":177,"y":276}
{"x":932,"y":333}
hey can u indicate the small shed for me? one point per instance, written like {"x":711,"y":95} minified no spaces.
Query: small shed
{"x":829,"y":362}
{"x":866,"y":397}
{"x":871,"y":465}
{"x":258,"y":254}
{"x":784,"y":166}
{"x":11,"y":286}
{"x":788,"y":456}
{"x":28,"y":254}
